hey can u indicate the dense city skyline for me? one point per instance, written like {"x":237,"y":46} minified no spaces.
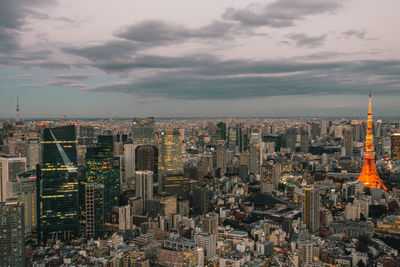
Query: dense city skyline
{"x":246,"y":133}
{"x":166,"y":59}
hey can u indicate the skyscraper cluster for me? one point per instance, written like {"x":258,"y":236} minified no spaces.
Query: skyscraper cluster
{"x":199,"y":192}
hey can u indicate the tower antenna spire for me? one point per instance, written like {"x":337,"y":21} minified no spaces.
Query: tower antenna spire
{"x":370,"y":105}
{"x":369,"y":176}
{"x":17,"y":109}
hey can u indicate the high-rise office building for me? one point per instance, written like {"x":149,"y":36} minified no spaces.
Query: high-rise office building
{"x":378,"y":128}
{"x":395,"y":146}
{"x":290,"y":139}
{"x":94,"y":200}
{"x":106,"y":141}
{"x":86,"y":135}
{"x":146,"y":159}
{"x":315,"y":129}
{"x":24,"y":189}
{"x":103,"y":168}
{"x":304,"y":141}
{"x":221,"y":131}
{"x":143,"y":131}
{"x":232,"y":137}
{"x":255,"y":153}
{"x":33,"y":153}
{"x":12,"y":233}
{"x":266,"y":178}
{"x":276,"y":175}
{"x":277,"y":140}
{"x":357,"y":132}
{"x":129,"y":158}
{"x":170,"y":159}
{"x":311,"y":205}
{"x":125,"y":218}
{"x":221,"y":157}
{"x":201,"y":200}
{"x":10,"y":166}
{"x":57,"y":185}
{"x":162,"y":204}
{"x":324,"y":127}
{"x":128,"y":167}
{"x":239,"y":137}
{"x":348,"y":141}
{"x":177,"y":185}
{"x":144,"y":186}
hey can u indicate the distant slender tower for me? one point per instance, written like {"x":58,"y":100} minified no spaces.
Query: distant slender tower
{"x":369,"y":176}
{"x":17,"y":110}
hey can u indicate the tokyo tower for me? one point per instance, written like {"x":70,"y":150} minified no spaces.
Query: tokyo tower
{"x":369,"y":176}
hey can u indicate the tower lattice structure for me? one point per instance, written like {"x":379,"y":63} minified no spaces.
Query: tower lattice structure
{"x":369,"y":176}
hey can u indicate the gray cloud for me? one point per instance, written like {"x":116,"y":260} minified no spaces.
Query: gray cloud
{"x":303,"y":40}
{"x":362,"y":35}
{"x":12,"y":17}
{"x":111,"y":50}
{"x":44,"y":16}
{"x":75,"y":77}
{"x":63,"y":80}
{"x":22,"y":77}
{"x":122,"y":53}
{"x":215,"y":78}
{"x":56,"y":83}
{"x":156,"y":32}
{"x":281,"y":13}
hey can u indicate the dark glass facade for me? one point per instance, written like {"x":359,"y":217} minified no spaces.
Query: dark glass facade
{"x":146,"y":159}
{"x":103,"y":168}
{"x":221,"y":131}
{"x":57,"y":185}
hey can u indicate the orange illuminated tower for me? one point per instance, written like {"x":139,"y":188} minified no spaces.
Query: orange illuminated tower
{"x":369,"y":176}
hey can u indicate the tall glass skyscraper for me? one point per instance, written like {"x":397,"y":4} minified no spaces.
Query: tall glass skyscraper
{"x":170,"y":159}
{"x":221,"y":131}
{"x":57,"y":185}
{"x":102,"y":168}
{"x":143,"y":131}
{"x":146,"y":159}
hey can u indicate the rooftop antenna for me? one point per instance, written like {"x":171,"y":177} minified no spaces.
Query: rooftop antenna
{"x":17,"y":110}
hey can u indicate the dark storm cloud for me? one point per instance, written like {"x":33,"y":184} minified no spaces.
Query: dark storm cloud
{"x":303,"y":40}
{"x":281,"y":13}
{"x":233,"y":79}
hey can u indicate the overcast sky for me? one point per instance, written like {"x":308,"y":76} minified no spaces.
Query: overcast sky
{"x":101,"y":58}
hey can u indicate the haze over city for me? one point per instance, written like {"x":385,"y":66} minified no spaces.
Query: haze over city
{"x":198,"y":58}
